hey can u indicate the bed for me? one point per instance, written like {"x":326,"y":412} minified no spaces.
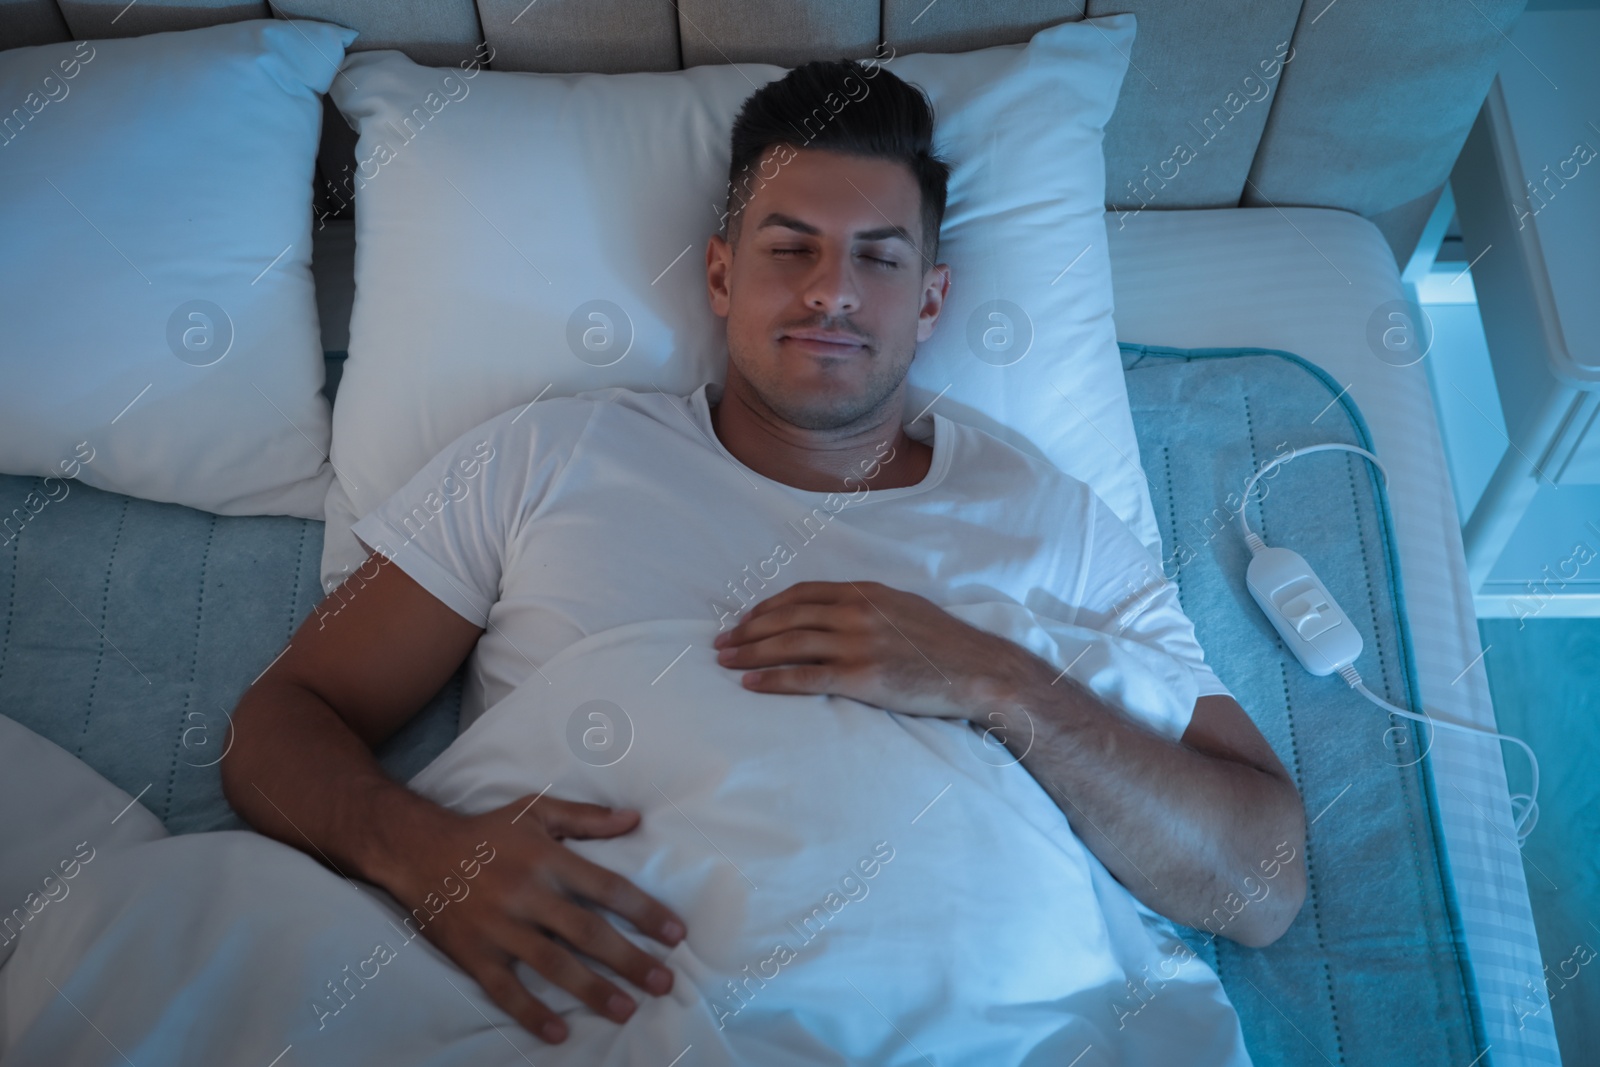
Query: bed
{"x":1296,"y":254}
{"x":1300,"y":291}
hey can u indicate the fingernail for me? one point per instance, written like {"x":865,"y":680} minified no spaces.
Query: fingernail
{"x":553,"y":1031}
{"x":672,"y":931}
{"x":720,"y":640}
{"x":619,"y":1006}
{"x":658,"y":980}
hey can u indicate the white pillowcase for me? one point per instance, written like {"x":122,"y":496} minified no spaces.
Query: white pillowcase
{"x":160,"y":323}
{"x":505,"y":221}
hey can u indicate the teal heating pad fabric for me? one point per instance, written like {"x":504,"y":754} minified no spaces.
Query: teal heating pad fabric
{"x":130,"y":629}
{"x":1374,"y":969}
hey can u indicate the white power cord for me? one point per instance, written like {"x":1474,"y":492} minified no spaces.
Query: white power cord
{"x":1323,"y":638}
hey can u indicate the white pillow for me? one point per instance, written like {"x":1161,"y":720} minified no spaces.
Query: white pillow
{"x":160,"y":323}
{"x":495,"y":209}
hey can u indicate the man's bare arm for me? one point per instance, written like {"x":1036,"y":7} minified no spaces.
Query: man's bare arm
{"x":1209,"y":831}
{"x":302,"y":772}
{"x":300,"y":768}
{"x":1208,"y":826}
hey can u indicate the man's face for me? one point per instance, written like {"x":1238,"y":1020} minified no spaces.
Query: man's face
{"x":829,"y":244}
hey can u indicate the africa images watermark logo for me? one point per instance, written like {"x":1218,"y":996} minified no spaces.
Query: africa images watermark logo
{"x":52,"y":89}
{"x":199,"y":332}
{"x":854,"y":89}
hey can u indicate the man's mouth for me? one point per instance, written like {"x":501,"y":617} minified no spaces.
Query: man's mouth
{"x":825,"y":342}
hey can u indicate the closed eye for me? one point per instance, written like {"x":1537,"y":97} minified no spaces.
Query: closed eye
{"x":801,"y":251}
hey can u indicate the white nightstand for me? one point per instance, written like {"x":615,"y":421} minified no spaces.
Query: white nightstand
{"x":1527,"y":195}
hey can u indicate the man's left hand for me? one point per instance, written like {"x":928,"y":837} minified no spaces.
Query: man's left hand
{"x":879,"y":645}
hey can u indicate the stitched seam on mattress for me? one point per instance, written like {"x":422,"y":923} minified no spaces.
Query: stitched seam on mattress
{"x":1313,"y":897}
{"x":1383,"y":668}
{"x":1255,"y":465}
{"x":1172,"y":515}
{"x":194,"y":660}
{"x":1405,"y":779}
{"x":294,"y":595}
{"x":105,"y":606}
{"x":1366,"y":574}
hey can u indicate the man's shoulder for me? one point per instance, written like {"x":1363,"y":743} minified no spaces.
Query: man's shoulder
{"x":1012,"y":459}
{"x":567,"y":418}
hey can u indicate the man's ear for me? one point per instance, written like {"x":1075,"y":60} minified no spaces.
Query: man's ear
{"x":935,"y":287}
{"x":719,"y":262}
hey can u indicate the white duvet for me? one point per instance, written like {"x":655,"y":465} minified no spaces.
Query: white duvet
{"x":859,"y":887}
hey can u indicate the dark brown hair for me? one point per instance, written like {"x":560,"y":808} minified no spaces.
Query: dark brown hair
{"x":843,"y":106}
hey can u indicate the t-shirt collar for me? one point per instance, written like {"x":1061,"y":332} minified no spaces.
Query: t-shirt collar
{"x":928,"y":427}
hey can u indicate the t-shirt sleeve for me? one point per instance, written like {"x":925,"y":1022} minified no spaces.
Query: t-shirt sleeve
{"x":451,"y":526}
{"x":1125,"y":593}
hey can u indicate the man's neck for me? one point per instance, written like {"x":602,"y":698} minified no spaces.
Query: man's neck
{"x":881,"y":456}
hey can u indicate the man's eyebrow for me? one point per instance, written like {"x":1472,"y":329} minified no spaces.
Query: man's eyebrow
{"x":882,"y":233}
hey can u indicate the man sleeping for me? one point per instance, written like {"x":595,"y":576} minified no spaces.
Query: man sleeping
{"x":832,"y":538}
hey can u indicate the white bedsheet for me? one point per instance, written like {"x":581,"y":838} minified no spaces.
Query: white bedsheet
{"x":928,"y":895}
{"x":1309,"y":281}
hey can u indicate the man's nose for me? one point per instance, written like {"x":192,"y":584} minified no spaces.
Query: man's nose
{"x":832,"y":288}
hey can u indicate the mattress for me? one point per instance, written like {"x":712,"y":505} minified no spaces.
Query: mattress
{"x":1314,"y":282}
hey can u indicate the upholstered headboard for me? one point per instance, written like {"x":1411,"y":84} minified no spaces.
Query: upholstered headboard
{"x":1368,"y":114}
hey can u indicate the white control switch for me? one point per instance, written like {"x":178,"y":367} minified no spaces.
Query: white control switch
{"x":1302,"y":611}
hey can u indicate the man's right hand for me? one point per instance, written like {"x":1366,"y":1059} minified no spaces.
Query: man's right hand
{"x":530,"y":891}
{"x":360,"y":667}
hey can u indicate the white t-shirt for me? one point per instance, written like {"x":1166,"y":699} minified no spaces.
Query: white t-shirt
{"x":568,"y":517}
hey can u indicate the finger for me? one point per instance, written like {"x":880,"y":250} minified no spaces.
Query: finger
{"x":503,"y":987}
{"x":810,"y":679}
{"x":802,"y":592}
{"x":790,"y":617}
{"x":570,"y":818}
{"x":590,"y":933}
{"x":616,"y":894}
{"x":787,"y":646}
{"x":560,"y":967}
